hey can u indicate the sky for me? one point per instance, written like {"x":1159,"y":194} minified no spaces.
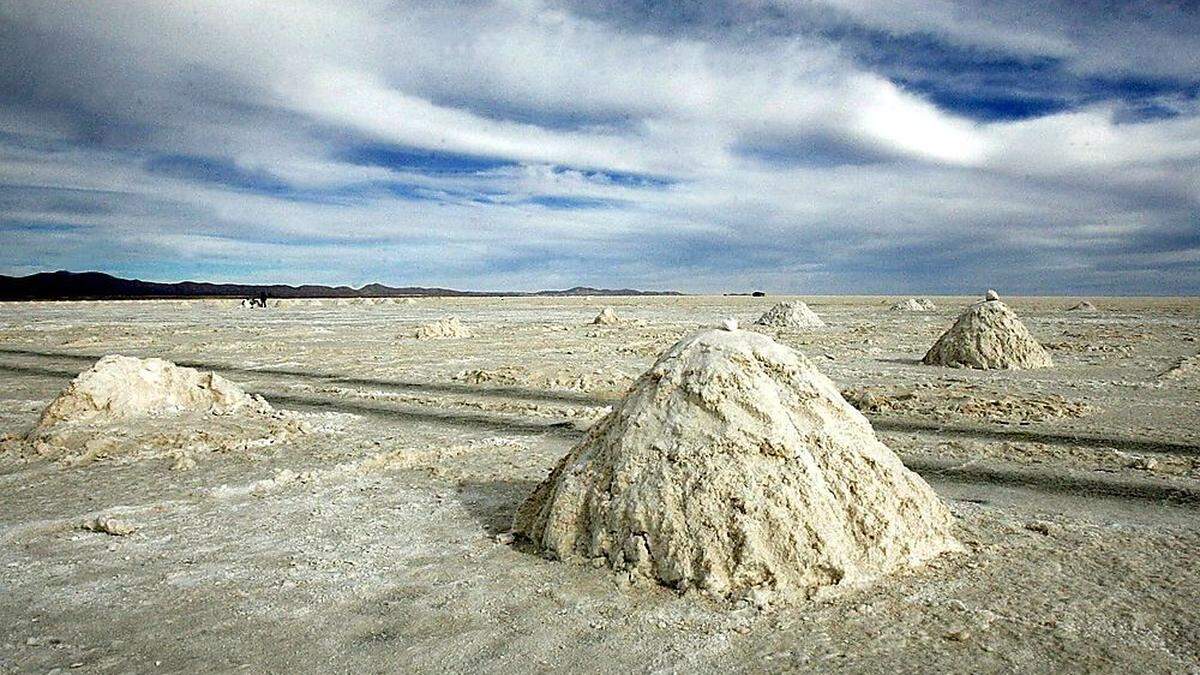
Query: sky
{"x":793,"y":146}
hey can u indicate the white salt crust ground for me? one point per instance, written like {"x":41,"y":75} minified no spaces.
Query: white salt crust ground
{"x":376,"y":542}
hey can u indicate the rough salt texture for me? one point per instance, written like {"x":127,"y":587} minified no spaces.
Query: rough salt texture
{"x":914,"y":305}
{"x":1186,"y":370}
{"x":793,"y":314}
{"x":988,"y":335}
{"x":119,"y":386}
{"x":442,"y":329}
{"x":606,"y":317}
{"x":109,"y":525}
{"x":734,"y":466}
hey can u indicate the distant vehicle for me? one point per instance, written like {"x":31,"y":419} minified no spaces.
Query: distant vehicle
{"x":260,"y":301}
{"x":758,"y":294}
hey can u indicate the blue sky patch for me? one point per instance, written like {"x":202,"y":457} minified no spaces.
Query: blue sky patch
{"x":565,"y":202}
{"x":400,"y":158}
{"x":216,"y":171}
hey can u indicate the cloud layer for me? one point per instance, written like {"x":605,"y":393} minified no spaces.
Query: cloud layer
{"x":807,"y":146}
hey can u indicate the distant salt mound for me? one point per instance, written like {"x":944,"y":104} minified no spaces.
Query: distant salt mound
{"x":794,"y":314}
{"x":733,"y":466}
{"x":1084,"y":306}
{"x":988,"y":335}
{"x":126,"y":406}
{"x":445,"y":328}
{"x":606,"y":317}
{"x":914,"y":305}
{"x":1185,"y":371}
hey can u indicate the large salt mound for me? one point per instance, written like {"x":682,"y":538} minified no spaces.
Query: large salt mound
{"x":120,"y":386}
{"x":1084,"y":306}
{"x":988,"y":335}
{"x":794,"y":314}
{"x":731,"y":465}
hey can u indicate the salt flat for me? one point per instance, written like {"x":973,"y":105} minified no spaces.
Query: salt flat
{"x":375,"y":540}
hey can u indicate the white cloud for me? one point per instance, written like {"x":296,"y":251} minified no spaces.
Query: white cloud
{"x":567,"y":100}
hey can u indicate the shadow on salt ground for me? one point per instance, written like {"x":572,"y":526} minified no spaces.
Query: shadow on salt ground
{"x":467,"y":420}
{"x":413,"y":414}
{"x":1054,"y":482}
{"x":902,"y":425}
{"x":901,"y":361}
{"x":38,"y":371}
{"x":422,"y":387}
{"x":493,"y":503}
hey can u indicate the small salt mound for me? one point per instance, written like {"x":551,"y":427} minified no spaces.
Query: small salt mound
{"x":988,"y":335}
{"x":794,"y":314}
{"x":120,"y":386}
{"x":1084,"y":306}
{"x":1186,"y":369}
{"x":126,"y":407}
{"x":109,"y":525}
{"x":734,"y":466}
{"x":442,"y":329}
{"x":606,"y":317}
{"x":914,"y":305}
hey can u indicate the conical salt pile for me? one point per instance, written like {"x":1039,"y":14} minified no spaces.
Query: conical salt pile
{"x":119,"y":386}
{"x":444,"y":328}
{"x":734,"y":465}
{"x":606,"y":317}
{"x":794,"y":314}
{"x":1084,"y":306}
{"x":988,"y":336}
{"x":914,"y":305}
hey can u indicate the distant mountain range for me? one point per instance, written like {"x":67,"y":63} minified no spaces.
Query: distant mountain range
{"x":99,"y":286}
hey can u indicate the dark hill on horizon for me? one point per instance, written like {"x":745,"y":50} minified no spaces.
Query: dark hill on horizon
{"x":63,"y":285}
